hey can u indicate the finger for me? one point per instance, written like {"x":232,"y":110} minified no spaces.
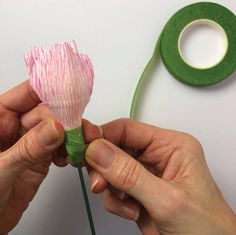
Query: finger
{"x":119,"y":194}
{"x":131,"y":134}
{"x":97,"y":183}
{"x":91,"y":131}
{"x":127,"y":175}
{"x":35,"y":116}
{"x":21,"y":98}
{"x":127,"y":209}
{"x":33,"y":148}
{"x":59,"y":157}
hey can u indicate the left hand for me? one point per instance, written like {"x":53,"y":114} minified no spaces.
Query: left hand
{"x":29,"y":136}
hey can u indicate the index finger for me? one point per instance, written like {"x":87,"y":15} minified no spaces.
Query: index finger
{"x":131,"y":134}
{"x":20,"y":99}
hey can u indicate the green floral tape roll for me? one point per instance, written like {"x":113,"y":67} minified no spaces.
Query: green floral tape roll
{"x":75,"y":145}
{"x":168,"y":47}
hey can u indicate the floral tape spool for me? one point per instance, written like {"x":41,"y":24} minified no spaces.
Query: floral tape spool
{"x":168,"y":47}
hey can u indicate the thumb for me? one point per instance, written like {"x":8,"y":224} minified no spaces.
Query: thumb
{"x":33,"y":148}
{"x":127,"y":175}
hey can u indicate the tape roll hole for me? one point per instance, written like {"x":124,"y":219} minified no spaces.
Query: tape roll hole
{"x":203,"y":44}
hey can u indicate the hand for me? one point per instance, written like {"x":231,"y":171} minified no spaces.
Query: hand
{"x":171,"y":191}
{"x":24,"y":164}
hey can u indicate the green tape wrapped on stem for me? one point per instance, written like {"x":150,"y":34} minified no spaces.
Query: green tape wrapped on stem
{"x":75,"y":145}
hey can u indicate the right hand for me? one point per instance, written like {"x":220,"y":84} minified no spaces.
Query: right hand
{"x":171,"y":189}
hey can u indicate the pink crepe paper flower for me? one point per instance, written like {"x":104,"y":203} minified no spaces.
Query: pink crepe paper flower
{"x":63,"y":80}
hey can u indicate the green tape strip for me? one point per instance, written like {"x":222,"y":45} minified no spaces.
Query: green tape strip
{"x":75,"y":146}
{"x":168,"y":48}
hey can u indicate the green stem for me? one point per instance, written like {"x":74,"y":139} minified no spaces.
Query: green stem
{"x":76,"y":147}
{"x":86,"y":200}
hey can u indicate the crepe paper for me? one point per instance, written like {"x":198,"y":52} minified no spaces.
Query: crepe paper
{"x":63,"y":80}
{"x":168,"y":48}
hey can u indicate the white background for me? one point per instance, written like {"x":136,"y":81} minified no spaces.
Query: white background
{"x":119,"y":36}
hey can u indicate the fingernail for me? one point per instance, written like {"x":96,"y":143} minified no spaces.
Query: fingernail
{"x":94,"y":180}
{"x":100,"y":131}
{"x":129,"y":212}
{"x":100,"y":154}
{"x":97,"y":131}
{"x":50,"y":133}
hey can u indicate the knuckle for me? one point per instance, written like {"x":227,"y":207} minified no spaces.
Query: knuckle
{"x":123,"y":120}
{"x":194,"y":144}
{"x":179,"y":197}
{"x":128,"y":175}
{"x":189,"y":143}
{"x":192,"y":140}
{"x":123,"y":123}
{"x":23,"y":153}
{"x":175,"y":202}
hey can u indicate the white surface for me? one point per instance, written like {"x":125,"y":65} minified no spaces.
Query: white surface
{"x":194,"y":45}
{"x":119,"y":36}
